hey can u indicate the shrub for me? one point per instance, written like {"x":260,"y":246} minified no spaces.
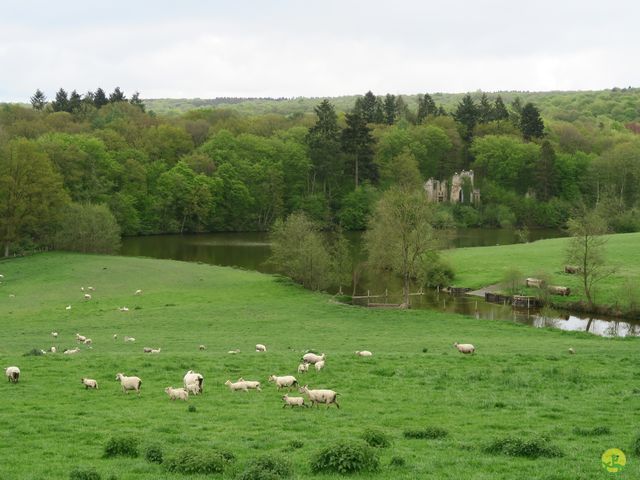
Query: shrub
{"x":344,"y":458}
{"x":153,"y":454}
{"x":635,"y":446}
{"x":266,"y":468}
{"x":88,"y":228}
{"x":436,"y":272}
{"x":425,"y":350}
{"x":191,"y":461}
{"x":79,"y":473}
{"x":191,"y":408}
{"x":592,"y":432}
{"x":35,"y":352}
{"x":426,"y":433}
{"x":296,"y":444}
{"x":518,"y":447}
{"x":376,"y":438}
{"x":397,"y":461}
{"x":124,"y":446}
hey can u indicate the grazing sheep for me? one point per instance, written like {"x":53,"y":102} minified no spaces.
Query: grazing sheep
{"x":464,"y":347}
{"x":260,"y":348}
{"x":11,"y":295}
{"x":293,"y":401}
{"x":202,"y":347}
{"x":82,"y":289}
{"x":87,"y":296}
{"x":1,"y":276}
{"x":155,"y":350}
{"x":123,"y":309}
{"x":138,"y":292}
{"x":68,"y":307}
{"x":89,"y":383}
{"x":90,"y":288}
{"x":129,"y":339}
{"x":251,"y":384}
{"x":71,"y":351}
{"x":364,"y":353}
{"x":147,"y":349}
{"x":53,"y":350}
{"x":303,"y":368}
{"x":312,"y":358}
{"x":192,"y":377}
{"x":13,"y":374}
{"x":177,"y":393}
{"x":193,"y":388}
{"x":80,"y":338}
{"x":87,"y":341}
{"x":319,"y":365}
{"x":115,"y":336}
{"x":286,"y":381}
{"x":235,"y":386}
{"x":234,"y":351}
{"x":54,"y":334}
{"x":572,"y":351}
{"x":43,"y":352}
{"x":129,"y":383}
{"x":321,"y":396}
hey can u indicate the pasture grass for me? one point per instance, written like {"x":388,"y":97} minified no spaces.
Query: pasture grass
{"x":520,"y":384}
{"x":479,"y":267}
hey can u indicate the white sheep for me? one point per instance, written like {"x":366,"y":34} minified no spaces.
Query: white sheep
{"x":80,"y":338}
{"x":285,"y":381}
{"x":155,"y":350}
{"x":251,"y":384}
{"x":147,"y":350}
{"x":364,"y":353}
{"x":202,"y":347}
{"x":53,"y":350}
{"x":464,"y":347}
{"x":87,"y":341}
{"x":572,"y":351}
{"x":82,"y":289}
{"x":123,"y":309}
{"x":129,"y":339}
{"x":321,"y":396}
{"x":193,"y":388}
{"x":54,"y":334}
{"x":138,"y":292}
{"x":90,"y":288}
{"x":192,"y":377}
{"x":312,"y":358}
{"x":87,"y":296}
{"x":293,"y":401}
{"x":177,"y":393}
{"x":235,"y":386}
{"x":319,"y":365}
{"x":129,"y":383}
{"x":13,"y":374}
{"x":260,"y":348}
{"x":71,"y":351}
{"x":89,"y":383}
{"x":68,"y":307}
{"x":115,"y":336}
{"x":303,"y":367}
{"x":233,"y":352}
{"x":1,"y":276}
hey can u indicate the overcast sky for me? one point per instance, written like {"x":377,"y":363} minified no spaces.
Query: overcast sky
{"x":288,"y":48}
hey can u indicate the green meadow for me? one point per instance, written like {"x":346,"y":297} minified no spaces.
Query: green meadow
{"x":482,"y":266}
{"x":521,"y":383}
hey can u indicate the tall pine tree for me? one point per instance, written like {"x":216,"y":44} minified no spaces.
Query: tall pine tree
{"x":323,"y":140}
{"x":499,"y":111}
{"x":531,"y":124}
{"x":466,"y":115}
{"x":100,"y":98}
{"x":357,"y":141}
{"x":38,"y":101}
{"x":61,"y":103}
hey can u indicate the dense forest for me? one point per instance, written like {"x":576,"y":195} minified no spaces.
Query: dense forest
{"x":238,"y":166}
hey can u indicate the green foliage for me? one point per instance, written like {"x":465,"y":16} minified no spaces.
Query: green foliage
{"x":34,"y":352}
{"x":592,"y":432}
{"x":356,"y":207}
{"x":345,"y":458}
{"x":192,"y":408}
{"x":376,"y":438}
{"x":531,"y":124}
{"x":295,"y":444}
{"x":121,"y":446}
{"x":435,"y":271}
{"x":88,"y":228}
{"x":535,"y":447}
{"x":513,"y":281}
{"x":192,"y":461}
{"x":635,"y":445}
{"x":153,"y":453}
{"x":397,"y":461}
{"x":84,"y":473}
{"x":428,"y":433}
{"x":266,"y":468}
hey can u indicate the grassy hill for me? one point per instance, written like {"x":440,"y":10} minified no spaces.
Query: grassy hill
{"x":520,"y":383}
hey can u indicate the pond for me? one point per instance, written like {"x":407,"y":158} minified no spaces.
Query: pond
{"x":251,"y":250}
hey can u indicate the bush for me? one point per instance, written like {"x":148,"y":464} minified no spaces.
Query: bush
{"x":376,"y":438}
{"x":592,"y":432}
{"x":344,"y":458}
{"x":397,"y":461}
{"x":121,"y":447}
{"x":191,"y":408}
{"x":430,"y":433}
{"x":84,"y":474}
{"x":88,"y":228}
{"x":518,"y":447}
{"x":435,"y":272}
{"x":191,"y":461}
{"x":34,"y":352}
{"x":153,"y":454}
{"x":266,"y":468}
{"x":296,"y":444}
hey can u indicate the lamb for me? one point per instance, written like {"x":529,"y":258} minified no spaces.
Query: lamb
{"x":53,"y":350}
{"x":147,"y":349}
{"x":155,"y":350}
{"x":572,"y":351}
{"x":87,"y":341}
{"x":129,"y":383}
{"x":286,"y":381}
{"x":177,"y":393}
{"x":293,"y":401}
{"x":312,"y":358}
{"x":321,"y":396}
{"x":202,"y":347}
{"x":193,"y":388}
{"x":13,"y":374}
{"x":129,"y":339}
{"x":234,"y":351}
{"x":71,"y":351}
{"x":464,"y":347}
{"x":68,"y":307}
{"x":138,"y":292}
{"x":123,"y":309}
{"x":54,"y":334}
{"x":87,"y":296}
{"x":89,"y":383}
{"x":319,"y":365}
{"x":192,"y":377}
{"x":115,"y":336}
{"x":90,"y":288}
{"x":235,"y":386}
{"x":303,"y":368}
{"x":364,"y":353}
{"x":80,"y":338}
{"x":260,"y":348}
{"x":251,"y":384}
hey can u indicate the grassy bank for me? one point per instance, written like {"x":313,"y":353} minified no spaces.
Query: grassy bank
{"x":482,"y":266}
{"x":521,"y":382}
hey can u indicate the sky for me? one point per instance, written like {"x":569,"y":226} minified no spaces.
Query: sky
{"x":288,"y":48}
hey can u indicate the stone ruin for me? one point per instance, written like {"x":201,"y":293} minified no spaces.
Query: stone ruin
{"x":438,"y":191}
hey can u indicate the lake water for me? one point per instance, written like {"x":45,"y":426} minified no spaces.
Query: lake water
{"x":251,"y":250}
